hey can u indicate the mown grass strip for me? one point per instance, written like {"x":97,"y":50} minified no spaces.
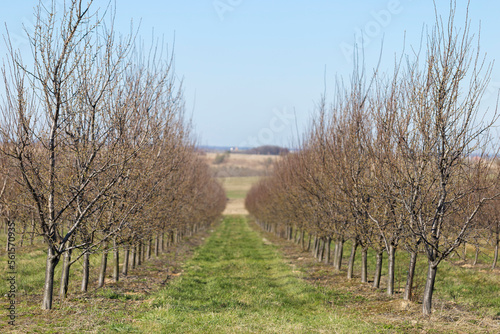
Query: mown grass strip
{"x":236,"y":283}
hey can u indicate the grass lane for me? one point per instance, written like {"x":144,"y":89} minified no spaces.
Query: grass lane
{"x":237,"y":283}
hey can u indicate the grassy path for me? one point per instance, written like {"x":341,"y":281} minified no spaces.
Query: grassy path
{"x":237,"y":283}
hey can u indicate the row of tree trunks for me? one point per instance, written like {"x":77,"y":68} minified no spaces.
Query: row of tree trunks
{"x":131,"y":259}
{"x":321,"y":251}
{"x":138,"y":255}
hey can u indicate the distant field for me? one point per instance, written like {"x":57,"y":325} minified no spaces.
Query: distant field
{"x":240,"y":165}
{"x":237,"y":173}
{"x":236,"y":191}
{"x":237,"y":187}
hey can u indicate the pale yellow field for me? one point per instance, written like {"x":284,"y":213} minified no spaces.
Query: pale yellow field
{"x":240,"y":164}
{"x":237,"y":173}
{"x":236,"y":190}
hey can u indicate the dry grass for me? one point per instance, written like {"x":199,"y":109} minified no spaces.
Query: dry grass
{"x":235,"y":207}
{"x":239,"y":165}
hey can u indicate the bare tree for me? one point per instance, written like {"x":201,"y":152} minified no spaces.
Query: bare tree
{"x":58,"y":124}
{"x":437,"y":131}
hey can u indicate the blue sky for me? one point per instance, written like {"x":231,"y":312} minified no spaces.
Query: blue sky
{"x":254,"y":71}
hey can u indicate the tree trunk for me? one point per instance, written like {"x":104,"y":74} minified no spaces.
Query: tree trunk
{"x":335,"y":253}
{"x":162,"y":241}
{"x":321,"y":249}
{"x":125,"y":260}
{"x":390,"y":275}
{"x":104,"y":265}
{"x":116,"y":264}
{"x":63,"y":290}
{"x":303,"y":242}
{"x":309,"y":242}
{"x":139,"y":254}
{"x":409,"y":277}
{"x":316,"y":246}
{"x":364,"y":265}
{"x":157,"y":245}
{"x":32,"y":236}
{"x":476,"y":256}
{"x":86,"y":270}
{"x":350,"y":268}
{"x":429,"y":289}
{"x":134,"y":256}
{"x":378,"y":269}
{"x":495,"y":257}
{"x":319,"y":255}
{"x":6,"y":223}
{"x":327,"y":250}
{"x":23,"y":233}
{"x":338,"y":256}
{"x":51,"y":263}
{"x":148,"y":249}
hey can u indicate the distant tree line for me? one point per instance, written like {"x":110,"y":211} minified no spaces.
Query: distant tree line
{"x":266,"y":150}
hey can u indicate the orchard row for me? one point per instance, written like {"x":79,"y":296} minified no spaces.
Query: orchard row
{"x":96,"y":153}
{"x":400,"y":160}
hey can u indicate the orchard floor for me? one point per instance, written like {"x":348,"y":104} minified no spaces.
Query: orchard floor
{"x":237,"y":282}
{"x":238,"y":279}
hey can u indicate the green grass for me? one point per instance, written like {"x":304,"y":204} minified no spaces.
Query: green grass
{"x":475,"y":287}
{"x":478,"y":289}
{"x":236,"y":283}
{"x":80,"y":312}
